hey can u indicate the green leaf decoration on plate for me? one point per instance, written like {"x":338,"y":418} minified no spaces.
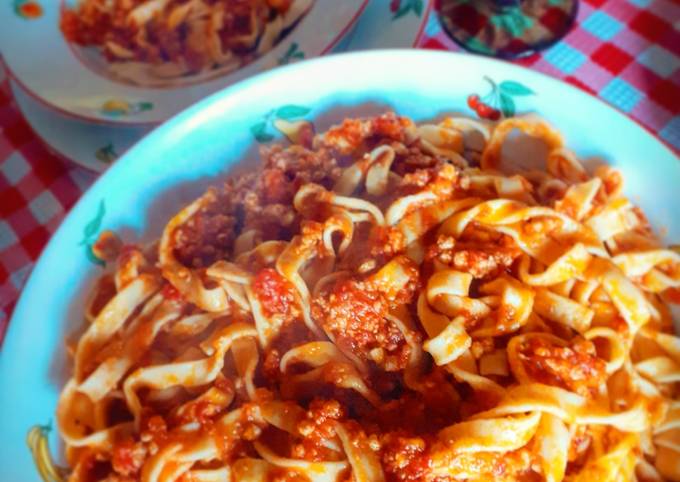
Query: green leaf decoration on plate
{"x":501,"y":99}
{"x":262,"y":130}
{"x":106,"y":154}
{"x":37,"y":442}
{"x":144,"y":106}
{"x":93,"y":226}
{"x":289,"y":112}
{"x":507,"y":105}
{"x":401,"y":8}
{"x":260,"y":133}
{"x":511,"y":87}
{"x":90,"y":232}
{"x":292,"y":54}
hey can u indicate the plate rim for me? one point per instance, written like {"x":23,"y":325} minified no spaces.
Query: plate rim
{"x":90,"y":168}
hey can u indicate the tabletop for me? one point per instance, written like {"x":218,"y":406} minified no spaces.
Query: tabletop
{"x":626,"y":52}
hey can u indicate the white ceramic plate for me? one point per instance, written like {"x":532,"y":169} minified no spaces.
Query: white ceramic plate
{"x":175,"y":163}
{"x":40,"y":59}
{"x":89,"y":145}
{"x":389,"y":24}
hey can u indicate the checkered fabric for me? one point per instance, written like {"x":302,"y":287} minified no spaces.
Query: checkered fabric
{"x":36,"y":190}
{"x":627,"y":52}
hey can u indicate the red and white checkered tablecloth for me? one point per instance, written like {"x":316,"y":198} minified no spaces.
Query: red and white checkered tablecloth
{"x":627,"y":52}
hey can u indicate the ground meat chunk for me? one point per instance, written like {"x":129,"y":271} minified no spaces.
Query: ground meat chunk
{"x":272,"y":221}
{"x":359,"y":134}
{"x":381,"y":244}
{"x":275,"y":293}
{"x":482,"y":263}
{"x":286,"y":169}
{"x":209,"y":234}
{"x":386,"y":241}
{"x":261,"y":201}
{"x":441,"y":180}
{"x":355,"y":313}
{"x":418,"y":179}
{"x":480,"y":259}
{"x":412,"y":158}
{"x":575,"y":367}
{"x":128,"y":457}
{"x":317,"y":426}
{"x":404,"y":458}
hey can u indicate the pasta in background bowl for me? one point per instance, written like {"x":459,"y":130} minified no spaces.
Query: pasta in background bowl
{"x":512,"y":319}
{"x":163,"y":43}
{"x":163,"y":61}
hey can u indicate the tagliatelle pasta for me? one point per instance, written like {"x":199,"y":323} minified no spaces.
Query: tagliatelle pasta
{"x":166,"y":39}
{"x":371,"y":305}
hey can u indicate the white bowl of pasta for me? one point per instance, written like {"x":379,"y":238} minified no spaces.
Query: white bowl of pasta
{"x":392,"y":293}
{"x":141,"y":62}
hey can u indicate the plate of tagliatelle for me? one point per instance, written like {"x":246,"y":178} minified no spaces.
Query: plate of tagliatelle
{"x":395,"y":276}
{"x":142,"y":61}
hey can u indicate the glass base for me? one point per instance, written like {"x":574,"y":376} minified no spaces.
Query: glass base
{"x":501,"y":29}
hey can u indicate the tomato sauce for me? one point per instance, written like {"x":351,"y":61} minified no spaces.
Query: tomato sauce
{"x":317,"y":426}
{"x":355,"y":313}
{"x":480,"y":259}
{"x":575,"y":367}
{"x":275,"y":293}
{"x":673,"y":295}
{"x":128,"y":457}
{"x":169,"y":292}
{"x":404,"y":457}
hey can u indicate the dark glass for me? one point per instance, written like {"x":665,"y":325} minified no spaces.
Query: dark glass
{"x":507,"y":28}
